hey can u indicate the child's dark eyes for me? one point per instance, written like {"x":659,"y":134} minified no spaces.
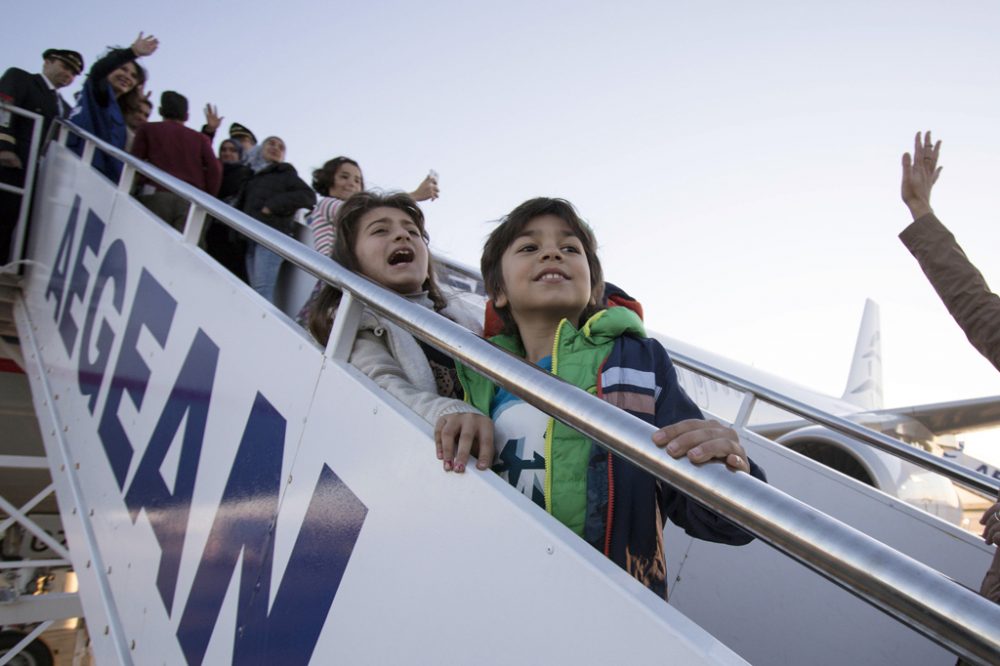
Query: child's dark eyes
{"x":527,"y":247}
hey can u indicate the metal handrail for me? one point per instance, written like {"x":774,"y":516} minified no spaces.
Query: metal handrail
{"x":947,"y":468}
{"x":953,"y":471}
{"x":909,"y":591}
{"x":20,"y":229}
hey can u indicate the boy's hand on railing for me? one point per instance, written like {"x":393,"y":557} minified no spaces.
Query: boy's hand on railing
{"x":702,"y":441}
{"x":457,"y":436}
{"x":10,"y":160}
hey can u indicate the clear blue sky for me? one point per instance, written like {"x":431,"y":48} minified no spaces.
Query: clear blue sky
{"x":738,"y":161}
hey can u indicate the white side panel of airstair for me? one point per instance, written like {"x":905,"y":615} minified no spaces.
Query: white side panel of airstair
{"x":230,"y":495}
{"x":784,"y":613}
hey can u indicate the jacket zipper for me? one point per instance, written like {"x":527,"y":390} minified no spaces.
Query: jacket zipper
{"x":551,"y":426}
{"x":611,"y":475}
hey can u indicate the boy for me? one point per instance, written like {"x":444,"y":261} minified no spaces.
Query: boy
{"x":543,"y":276}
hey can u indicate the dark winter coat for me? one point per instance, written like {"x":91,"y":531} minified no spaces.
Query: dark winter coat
{"x":278,"y":188}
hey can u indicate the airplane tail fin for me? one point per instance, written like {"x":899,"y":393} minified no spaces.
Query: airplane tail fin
{"x":864,"y":383}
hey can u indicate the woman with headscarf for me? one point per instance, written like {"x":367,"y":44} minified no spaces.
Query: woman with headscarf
{"x":98,"y":110}
{"x":272,"y":195}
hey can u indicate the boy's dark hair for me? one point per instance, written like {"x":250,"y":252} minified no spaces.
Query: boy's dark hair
{"x":511,"y":227}
{"x":348,"y":216}
{"x":323,"y":178}
{"x":173,"y":105}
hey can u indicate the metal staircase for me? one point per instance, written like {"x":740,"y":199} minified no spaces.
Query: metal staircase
{"x":230,"y":492}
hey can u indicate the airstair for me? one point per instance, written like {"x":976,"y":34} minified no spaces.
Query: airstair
{"x":231,"y":492}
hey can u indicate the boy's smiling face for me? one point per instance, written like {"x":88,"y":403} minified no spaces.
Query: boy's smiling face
{"x":545,"y":273}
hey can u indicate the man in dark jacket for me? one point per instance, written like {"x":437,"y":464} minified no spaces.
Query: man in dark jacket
{"x":272,"y":195}
{"x":32,"y":92}
{"x":181,"y":152}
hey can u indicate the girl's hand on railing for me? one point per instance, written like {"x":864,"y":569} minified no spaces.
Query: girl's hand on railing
{"x":457,"y":436}
{"x":702,"y":441}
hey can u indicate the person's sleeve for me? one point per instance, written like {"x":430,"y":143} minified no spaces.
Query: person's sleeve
{"x":674,"y":405}
{"x":371,"y":356}
{"x":958,"y":283}
{"x":140,"y":145}
{"x":991,"y":582}
{"x":321,"y":223}
{"x":114,"y":59}
{"x":13,"y":87}
{"x":213,"y":169}
{"x":297,"y":195}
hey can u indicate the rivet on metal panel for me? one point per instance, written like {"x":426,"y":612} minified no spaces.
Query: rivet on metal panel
{"x":55,"y":397}
{"x":375,"y":409}
{"x":132,"y":646}
{"x":106,"y":630}
{"x":92,"y":512}
{"x":550,"y":550}
{"x":88,"y":564}
{"x":289,"y":478}
{"x":74,"y":510}
{"x":76,"y":465}
{"x":109,"y":571}
{"x":65,"y":428}
{"x":62,"y":468}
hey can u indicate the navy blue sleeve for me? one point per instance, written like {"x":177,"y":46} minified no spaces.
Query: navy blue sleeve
{"x":674,"y":405}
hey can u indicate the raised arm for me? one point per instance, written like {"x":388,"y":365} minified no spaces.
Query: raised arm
{"x":919,"y":175}
{"x":428,"y":189}
{"x":959,"y":284}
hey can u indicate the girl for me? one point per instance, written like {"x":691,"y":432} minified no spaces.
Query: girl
{"x":98,"y":110}
{"x":340,"y":178}
{"x":383,"y":238}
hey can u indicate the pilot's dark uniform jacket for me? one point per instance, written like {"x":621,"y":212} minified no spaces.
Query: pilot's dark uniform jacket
{"x":31,"y":92}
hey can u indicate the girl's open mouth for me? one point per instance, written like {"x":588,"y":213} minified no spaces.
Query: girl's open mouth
{"x":401,"y":256}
